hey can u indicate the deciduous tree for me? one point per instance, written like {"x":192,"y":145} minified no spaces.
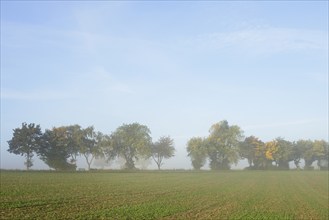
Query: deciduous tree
{"x":261,"y":161}
{"x":297,"y":153}
{"x":162,"y":149}
{"x":320,"y":149}
{"x":282,"y":153}
{"x":248,"y":149}
{"x":25,"y":141}
{"x":197,"y":151}
{"x":91,"y":146}
{"x":308,"y":152}
{"x":223,"y":144}
{"x":131,"y":141}
{"x":55,"y":151}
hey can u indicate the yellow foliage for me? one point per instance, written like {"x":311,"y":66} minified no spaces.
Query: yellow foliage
{"x":271,"y":148}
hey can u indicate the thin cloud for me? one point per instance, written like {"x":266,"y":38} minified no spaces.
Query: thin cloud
{"x":264,"y":40}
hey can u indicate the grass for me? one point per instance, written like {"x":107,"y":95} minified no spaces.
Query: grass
{"x":164,"y":195}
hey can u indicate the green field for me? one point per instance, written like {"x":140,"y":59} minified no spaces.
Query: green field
{"x":164,"y":195}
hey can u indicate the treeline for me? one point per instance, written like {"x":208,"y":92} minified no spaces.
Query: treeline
{"x":59,"y":147}
{"x":225,"y":145}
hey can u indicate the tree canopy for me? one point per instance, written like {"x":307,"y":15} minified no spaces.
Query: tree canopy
{"x":56,"y":149}
{"x":225,"y":145}
{"x":162,"y":149}
{"x":197,"y":151}
{"x":221,"y":147}
{"x":223,"y":142}
{"x":25,"y":142}
{"x":131,"y":141}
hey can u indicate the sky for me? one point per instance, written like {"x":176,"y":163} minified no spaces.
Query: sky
{"x":177,"y":67}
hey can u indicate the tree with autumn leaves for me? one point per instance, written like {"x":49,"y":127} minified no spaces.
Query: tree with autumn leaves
{"x":225,"y":146}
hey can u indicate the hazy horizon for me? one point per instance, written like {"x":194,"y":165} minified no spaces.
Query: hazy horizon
{"x":176,"y":67}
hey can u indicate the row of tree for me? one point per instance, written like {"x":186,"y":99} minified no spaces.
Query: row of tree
{"x":225,"y":145}
{"x":59,"y":147}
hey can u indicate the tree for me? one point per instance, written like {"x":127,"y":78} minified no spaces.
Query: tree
{"x":25,"y":141}
{"x":105,"y":151}
{"x":131,"y":141}
{"x":262,"y":159}
{"x":314,"y":151}
{"x":320,"y":150}
{"x":75,"y":140}
{"x":105,"y":143}
{"x":91,"y":146}
{"x":282,"y":153}
{"x":223,"y":144}
{"x":306,"y":150}
{"x":249,"y":148}
{"x":271,"y":155}
{"x":297,"y":153}
{"x":54,"y":150}
{"x":197,"y":152}
{"x":162,"y":149}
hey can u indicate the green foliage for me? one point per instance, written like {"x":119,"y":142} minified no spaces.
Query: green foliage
{"x":74,"y":141}
{"x":131,"y":141}
{"x":197,"y":151}
{"x":321,"y":152}
{"x":60,"y":147}
{"x":283,"y":154}
{"x":312,"y":151}
{"x":254,"y":151}
{"x":305,"y":146}
{"x":222,"y":145}
{"x":297,"y":153}
{"x":25,"y":141}
{"x":56,"y":149}
{"x":162,"y":149}
{"x":91,"y":145}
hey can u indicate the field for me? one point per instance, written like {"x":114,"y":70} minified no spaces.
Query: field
{"x":164,"y":195}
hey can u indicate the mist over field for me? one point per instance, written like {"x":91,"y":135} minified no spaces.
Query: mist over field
{"x":164,"y":110}
{"x":176,"y":67}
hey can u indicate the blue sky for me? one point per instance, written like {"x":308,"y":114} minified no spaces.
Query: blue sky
{"x":177,"y":67}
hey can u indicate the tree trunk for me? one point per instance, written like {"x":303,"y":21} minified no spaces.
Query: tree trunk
{"x":297,"y":164}
{"x":87,"y":160}
{"x":250,"y":162}
{"x":28,"y":162}
{"x":130,"y":163}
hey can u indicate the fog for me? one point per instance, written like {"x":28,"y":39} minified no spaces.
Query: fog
{"x":164,"y":109}
{"x":175,"y":67}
